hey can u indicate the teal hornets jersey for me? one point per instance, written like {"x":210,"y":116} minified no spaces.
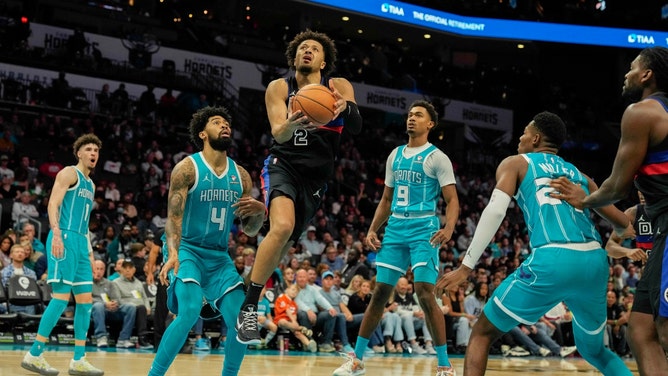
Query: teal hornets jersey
{"x":414,"y":191}
{"x":550,"y":220}
{"x":77,"y":205}
{"x":209,"y":214}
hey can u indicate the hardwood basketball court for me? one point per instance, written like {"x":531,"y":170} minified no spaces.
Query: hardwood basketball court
{"x":273,"y":363}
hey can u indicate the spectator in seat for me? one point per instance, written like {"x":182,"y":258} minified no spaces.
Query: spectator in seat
{"x":104,"y":99}
{"x":285,"y":317}
{"x":107,"y":307}
{"x":50,"y":168}
{"x":412,"y":318}
{"x":344,"y":318}
{"x":4,"y":167}
{"x":7,"y":143}
{"x":30,"y":231}
{"x":139,"y":252}
{"x":322,"y":321}
{"x":332,"y":258}
{"x":18,"y":254}
{"x":132,"y":292}
{"x":354,"y":266}
{"x":36,"y":261}
{"x":6,"y":244}
{"x":23,"y":207}
{"x":616,"y":325}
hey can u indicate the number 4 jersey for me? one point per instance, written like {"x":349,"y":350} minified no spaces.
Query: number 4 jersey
{"x":208,"y":215}
{"x":550,"y":220}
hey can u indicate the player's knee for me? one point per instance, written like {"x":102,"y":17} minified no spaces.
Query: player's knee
{"x":640,"y":330}
{"x":282,"y":226}
{"x":425,"y":293}
{"x":190,"y":308}
{"x":662,"y":331}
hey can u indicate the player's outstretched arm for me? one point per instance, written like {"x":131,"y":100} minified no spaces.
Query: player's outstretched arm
{"x":614,"y":245}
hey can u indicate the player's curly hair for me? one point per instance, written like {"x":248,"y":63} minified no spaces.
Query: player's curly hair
{"x":86,"y":139}
{"x":199,"y":120}
{"x":327,"y":44}
{"x":431,"y":110}
{"x":552,"y":127}
{"x":656,"y":59}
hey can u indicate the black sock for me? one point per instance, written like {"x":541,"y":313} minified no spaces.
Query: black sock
{"x":253,"y":294}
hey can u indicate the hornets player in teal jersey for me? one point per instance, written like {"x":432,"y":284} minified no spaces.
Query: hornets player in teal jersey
{"x":567,"y":262}
{"x":416,"y":176}
{"x":207,"y":191}
{"x":70,"y":258}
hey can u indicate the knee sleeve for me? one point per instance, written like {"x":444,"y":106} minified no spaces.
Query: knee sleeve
{"x":50,"y":317}
{"x":82,"y":320}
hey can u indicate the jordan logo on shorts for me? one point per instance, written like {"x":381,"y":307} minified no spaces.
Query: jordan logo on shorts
{"x":524,"y":274}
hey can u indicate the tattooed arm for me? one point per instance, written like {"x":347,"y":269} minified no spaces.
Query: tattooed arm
{"x":183,"y":177}
{"x":251,"y":211}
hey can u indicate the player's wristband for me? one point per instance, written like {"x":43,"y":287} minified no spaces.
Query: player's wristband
{"x":352,"y":119}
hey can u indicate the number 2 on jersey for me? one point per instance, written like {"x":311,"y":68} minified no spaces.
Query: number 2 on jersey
{"x":543,"y":191}
{"x":301,"y":137}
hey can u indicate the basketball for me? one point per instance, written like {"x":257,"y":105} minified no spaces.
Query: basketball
{"x":316,"y":102}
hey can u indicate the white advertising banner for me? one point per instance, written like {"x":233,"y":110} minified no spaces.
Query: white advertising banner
{"x":476,"y":117}
{"x":45,"y":77}
{"x":238,"y":72}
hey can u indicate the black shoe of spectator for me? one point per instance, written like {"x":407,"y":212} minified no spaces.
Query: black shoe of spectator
{"x":144,"y":344}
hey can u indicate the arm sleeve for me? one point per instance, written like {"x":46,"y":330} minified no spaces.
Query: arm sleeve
{"x":490,"y":220}
{"x":352,"y":118}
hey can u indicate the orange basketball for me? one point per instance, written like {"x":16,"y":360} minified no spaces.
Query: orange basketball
{"x":316,"y":102}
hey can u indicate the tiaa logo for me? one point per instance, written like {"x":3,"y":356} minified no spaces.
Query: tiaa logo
{"x":392,"y":9}
{"x":639,"y":38}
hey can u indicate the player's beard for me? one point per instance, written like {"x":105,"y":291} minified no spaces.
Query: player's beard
{"x":221,"y":144}
{"x":305,"y":69}
{"x":632,"y":93}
